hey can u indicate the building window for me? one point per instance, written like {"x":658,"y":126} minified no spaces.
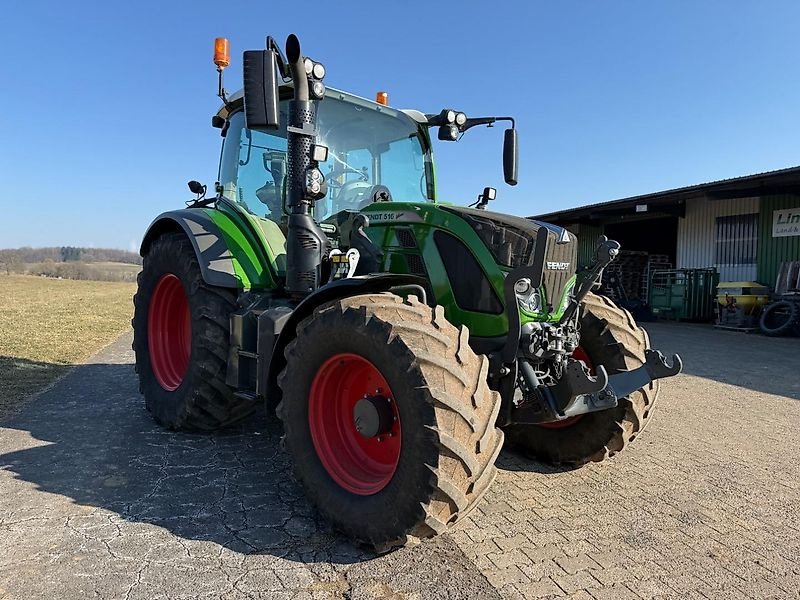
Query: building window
{"x":737,"y":239}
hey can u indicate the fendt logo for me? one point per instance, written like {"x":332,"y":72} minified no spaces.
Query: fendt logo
{"x":557,"y":266}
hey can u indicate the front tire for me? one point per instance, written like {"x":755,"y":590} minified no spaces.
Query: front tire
{"x":609,"y":337}
{"x":434,"y":458}
{"x":181,"y":333}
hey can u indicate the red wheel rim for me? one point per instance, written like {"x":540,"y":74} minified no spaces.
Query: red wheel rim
{"x":578,"y":354}
{"x":169,"y":332}
{"x":358,"y":464}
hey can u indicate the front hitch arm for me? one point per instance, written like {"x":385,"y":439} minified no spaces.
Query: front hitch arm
{"x":605,"y":253}
{"x":578,"y":392}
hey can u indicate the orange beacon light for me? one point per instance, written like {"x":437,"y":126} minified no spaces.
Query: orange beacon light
{"x":221,"y":54}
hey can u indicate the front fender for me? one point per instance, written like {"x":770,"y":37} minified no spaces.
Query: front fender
{"x":342,"y":288}
{"x":227,"y":257}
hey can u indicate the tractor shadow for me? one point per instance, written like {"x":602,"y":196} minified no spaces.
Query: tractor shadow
{"x":515,"y":459}
{"x":90,"y":439}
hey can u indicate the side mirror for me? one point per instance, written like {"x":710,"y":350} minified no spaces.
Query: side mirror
{"x":260,"y":89}
{"x":196,"y":187}
{"x":510,"y":156}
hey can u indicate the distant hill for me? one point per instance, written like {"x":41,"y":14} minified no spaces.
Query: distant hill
{"x":59,"y":254}
{"x":70,"y":262}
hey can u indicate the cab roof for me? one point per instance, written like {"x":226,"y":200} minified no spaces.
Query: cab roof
{"x":236,"y":101}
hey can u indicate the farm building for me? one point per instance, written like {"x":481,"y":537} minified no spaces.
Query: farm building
{"x":746,"y":229}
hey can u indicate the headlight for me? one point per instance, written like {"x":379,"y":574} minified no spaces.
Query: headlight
{"x":527,"y":296}
{"x":523,"y":286}
{"x":461,"y":118}
{"x":450,"y":116}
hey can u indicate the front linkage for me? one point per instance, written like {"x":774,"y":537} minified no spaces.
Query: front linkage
{"x":575,"y":391}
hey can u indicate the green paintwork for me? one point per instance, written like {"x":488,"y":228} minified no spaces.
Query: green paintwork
{"x":253,"y":257}
{"x":423,"y":220}
{"x":772,"y":251}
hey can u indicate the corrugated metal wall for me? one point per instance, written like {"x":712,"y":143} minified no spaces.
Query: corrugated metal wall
{"x":772,"y":251}
{"x":587,"y":241}
{"x":697,"y":236}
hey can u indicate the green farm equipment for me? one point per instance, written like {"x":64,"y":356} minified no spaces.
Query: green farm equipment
{"x":399,"y":339}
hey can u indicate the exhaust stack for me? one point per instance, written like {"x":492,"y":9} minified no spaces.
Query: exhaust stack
{"x":306,"y":244}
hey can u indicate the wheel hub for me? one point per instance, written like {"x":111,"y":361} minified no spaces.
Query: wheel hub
{"x":373,"y":416}
{"x":354,"y":423}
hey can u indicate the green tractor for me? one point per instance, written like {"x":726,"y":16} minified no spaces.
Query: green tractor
{"x":398,"y":338}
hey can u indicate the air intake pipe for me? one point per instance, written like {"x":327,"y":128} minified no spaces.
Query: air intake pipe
{"x":306,"y":244}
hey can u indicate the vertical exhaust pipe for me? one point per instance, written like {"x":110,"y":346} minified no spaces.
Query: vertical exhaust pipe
{"x":306,"y":244}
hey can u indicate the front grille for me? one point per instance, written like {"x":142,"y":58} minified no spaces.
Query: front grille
{"x":556,"y":279}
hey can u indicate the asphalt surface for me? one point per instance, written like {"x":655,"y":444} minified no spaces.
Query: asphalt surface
{"x":97,"y":501}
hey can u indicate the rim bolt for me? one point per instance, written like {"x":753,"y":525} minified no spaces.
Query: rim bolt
{"x":379,"y":439}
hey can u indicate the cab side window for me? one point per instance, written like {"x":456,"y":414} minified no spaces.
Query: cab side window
{"x":253,"y":169}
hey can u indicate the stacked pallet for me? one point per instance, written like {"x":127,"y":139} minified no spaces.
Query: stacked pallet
{"x":655,"y":262}
{"x":628,"y":277}
{"x":626,"y":273}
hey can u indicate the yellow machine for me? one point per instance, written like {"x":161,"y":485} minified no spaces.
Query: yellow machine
{"x":739,"y":303}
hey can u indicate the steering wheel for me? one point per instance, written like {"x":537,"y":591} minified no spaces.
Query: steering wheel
{"x":352,"y":195}
{"x":344,"y":169}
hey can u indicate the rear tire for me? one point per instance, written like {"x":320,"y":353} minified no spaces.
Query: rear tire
{"x":611,"y":338}
{"x":445,"y":412}
{"x":779,"y":318}
{"x":181,"y":334}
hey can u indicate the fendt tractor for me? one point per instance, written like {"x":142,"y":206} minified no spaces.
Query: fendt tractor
{"x":398,"y":338}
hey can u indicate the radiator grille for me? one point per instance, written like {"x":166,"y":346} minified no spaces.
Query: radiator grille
{"x":557,"y":255}
{"x":416,"y":265}
{"x":406,"y":237}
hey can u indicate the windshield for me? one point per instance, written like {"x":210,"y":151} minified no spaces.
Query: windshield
{"x":365,"y":148}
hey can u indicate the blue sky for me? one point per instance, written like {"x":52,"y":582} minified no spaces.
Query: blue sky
{"x":107,"y":105}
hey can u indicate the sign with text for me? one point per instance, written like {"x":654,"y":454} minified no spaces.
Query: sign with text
{"x":786,"y":222}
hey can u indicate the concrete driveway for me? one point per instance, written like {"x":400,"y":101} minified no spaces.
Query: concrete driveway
{"x":96,"y":501}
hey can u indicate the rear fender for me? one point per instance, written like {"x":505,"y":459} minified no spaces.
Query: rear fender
{"x":227,"y":256}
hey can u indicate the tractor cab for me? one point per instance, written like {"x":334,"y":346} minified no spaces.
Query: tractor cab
{"x":368,"y":144}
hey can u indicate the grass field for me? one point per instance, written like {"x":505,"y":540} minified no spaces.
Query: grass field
{"x":48,"y":324}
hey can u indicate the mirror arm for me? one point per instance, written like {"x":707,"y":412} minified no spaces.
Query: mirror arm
{"x":486,"y":121}
{"x":283,"y":66}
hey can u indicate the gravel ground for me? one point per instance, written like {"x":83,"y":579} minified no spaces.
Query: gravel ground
{"x":95,"y":500}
